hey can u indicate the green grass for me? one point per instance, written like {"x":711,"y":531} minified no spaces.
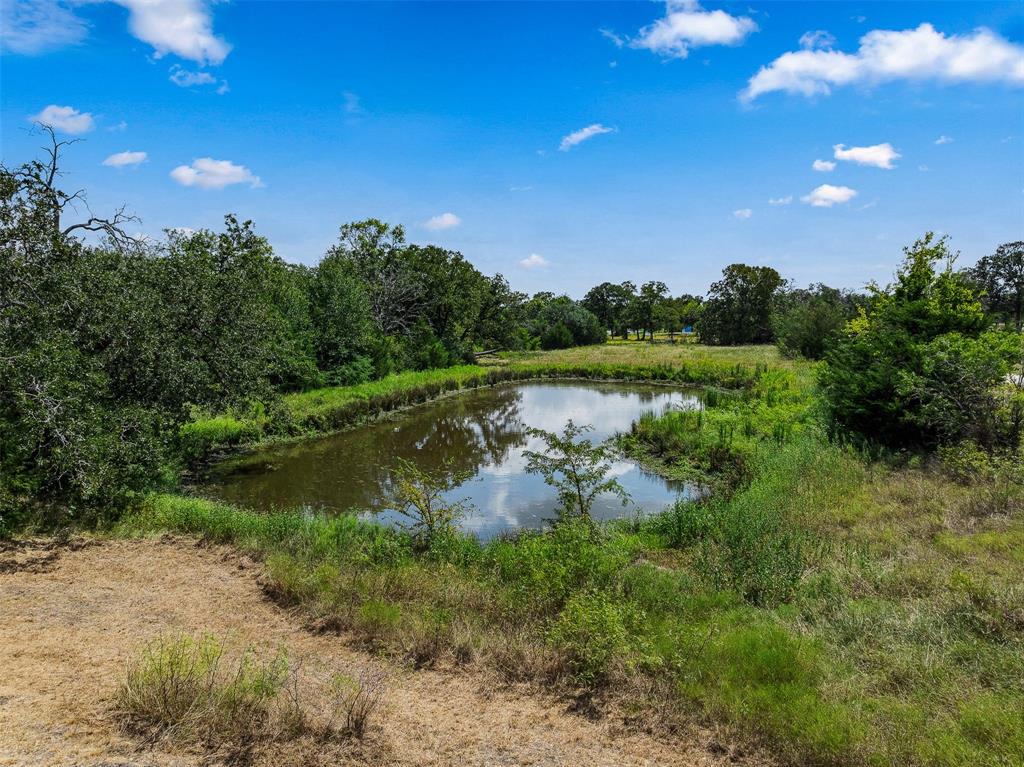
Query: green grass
{"x":832,"y":608}
{"x":340,"y":407}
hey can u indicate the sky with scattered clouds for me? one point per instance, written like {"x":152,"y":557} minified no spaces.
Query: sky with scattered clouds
{"x":562,"y":144}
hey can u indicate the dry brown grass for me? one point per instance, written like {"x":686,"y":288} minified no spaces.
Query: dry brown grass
{"x":70,"y":626}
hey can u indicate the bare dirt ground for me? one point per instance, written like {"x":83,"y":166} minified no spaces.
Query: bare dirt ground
{"x":71,"y":616}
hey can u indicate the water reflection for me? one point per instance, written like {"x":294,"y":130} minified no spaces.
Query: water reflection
{"x":483,"y":431}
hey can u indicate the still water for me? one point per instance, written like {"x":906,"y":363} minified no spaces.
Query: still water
{"x":482,"y":430}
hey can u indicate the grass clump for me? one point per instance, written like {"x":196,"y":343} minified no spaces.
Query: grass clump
{"x":190,"y":692}
{"x":185,"y":690}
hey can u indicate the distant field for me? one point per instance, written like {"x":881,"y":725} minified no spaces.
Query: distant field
{"x":646,"y":353}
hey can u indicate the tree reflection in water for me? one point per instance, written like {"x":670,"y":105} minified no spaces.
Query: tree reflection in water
{"x":483,"y":431}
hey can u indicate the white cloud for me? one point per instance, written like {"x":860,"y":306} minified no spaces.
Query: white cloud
{"x":186,"y":79}
{"x":35,"y":26}
{"x":66,"y":119}
{"x":686,"y":25}
{"x":181,"y":27}
{"x":818,"y":39}
{"x":207,"y":173}
{"x":442,"y":221}
{"x":617,"y":40}
{"x":827,"y":195}
{"x":943,"y":140}
{"x":743,"y":213}
{"x":877,"y":156}
{"x":578,"y":137}
{"x":780,"y":200}
{"x":886,"y":55}
{"x":823,"y":166}
{"x":123,"y":159}
{"x":534,"y":261}
{"x":923,"y":168}
{"x":223,"y":88}
{"x":121,"y":126}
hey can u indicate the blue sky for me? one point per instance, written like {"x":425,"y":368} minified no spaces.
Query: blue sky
{"x":562,"y":144}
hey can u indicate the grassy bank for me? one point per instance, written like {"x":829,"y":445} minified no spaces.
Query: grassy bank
{"x":334,"y":408}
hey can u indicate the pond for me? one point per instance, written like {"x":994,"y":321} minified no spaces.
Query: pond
{"x":482,"y":430}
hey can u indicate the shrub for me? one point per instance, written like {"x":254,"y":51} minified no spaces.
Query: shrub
{"x":592,"y":631}
{"x":576,"y":468}
{"x":807,"y":322}
{"x":556,"y":337}
{"x":420,"y":497}
{"x":890,"y":377}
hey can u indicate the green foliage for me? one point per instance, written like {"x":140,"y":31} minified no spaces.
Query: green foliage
{"x":183,"y":687}
{"x":558,"y":336}
{"x":108,"y":349}
{"x":545,"y":313}
{"x":575,"y":467}
{"x":420,"y":497}
{"x":424,"y":350}
{"x":1000,"y":281}
{"x":540,"y":572}
{"x":592,"y":631}
{"x":609,"y":303}
{"x":996,"y":477}
{"x":894,"y":376}
{"x":807,"y":322}
{"x":738,"y":306}
{"x":340,"y":314}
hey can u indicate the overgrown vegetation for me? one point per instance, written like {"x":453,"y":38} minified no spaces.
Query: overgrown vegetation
{"x":809,"y":610}
{"x":917,"y":368}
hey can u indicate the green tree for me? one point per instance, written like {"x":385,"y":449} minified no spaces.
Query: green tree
{"x":807,"y":321}
{"x":608,"y":302}
{"x":343,"y":325}
{"x":544,"y":312}
{"x":885,"y":378}
{"x":1001,"y":278}
{"x":738,"y":306}
{"x":576,"y":468}
{"x":420,"y":498}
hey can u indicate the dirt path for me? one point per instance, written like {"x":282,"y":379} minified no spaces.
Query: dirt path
{"x":71,"y":617}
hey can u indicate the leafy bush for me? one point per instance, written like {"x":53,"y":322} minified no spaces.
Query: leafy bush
{"x":592,"y":631}
{"x":892,"y":376}
{"x":557,"y":336}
